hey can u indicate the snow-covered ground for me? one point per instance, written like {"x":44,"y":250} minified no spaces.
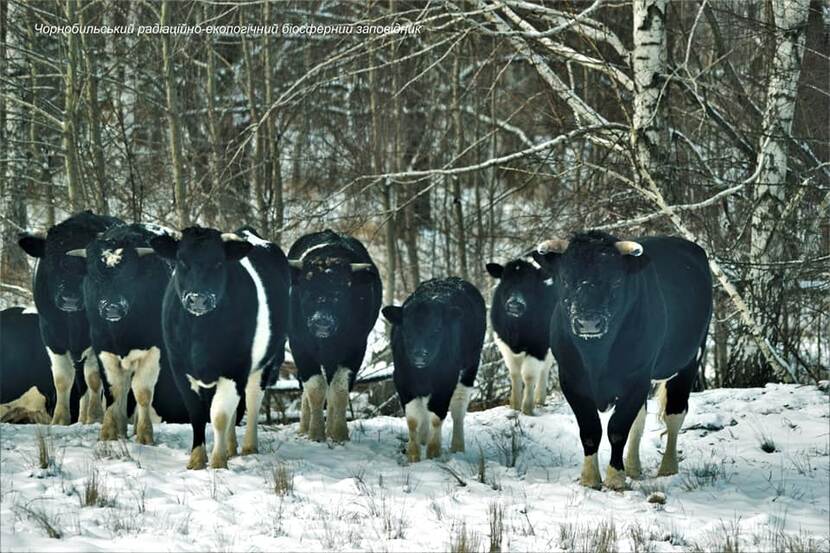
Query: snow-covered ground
{"x":365,"y":496}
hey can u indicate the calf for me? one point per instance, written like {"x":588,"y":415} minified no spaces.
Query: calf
{"x":437,"y":336}
{"x":335,"y":301}
{"x":224,"y":321}
{"x":628,"y":313}
{"x":520,"y":315}
{"x":123,"y":291}
{"x":60,"y":304}
{"x":23,"y":359}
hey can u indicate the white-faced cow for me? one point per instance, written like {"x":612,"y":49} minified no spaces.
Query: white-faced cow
{"x":627,"y":313}
{"x":335,"y":301}
{"x":437,"y":336}
{"x":123,"y":289}
{"x":224,"y":320}
{"x":23,"y":360}
{"x":520,"y":315}
{"x":60,"y":304}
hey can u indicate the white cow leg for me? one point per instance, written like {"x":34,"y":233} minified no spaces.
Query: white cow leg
{"x":115,"y":417}
{"x":63,"y":375}
{"x":590,"y":476}
{"x":337,"y":402}
{"x":668,"y":465}
{"x":144,"y":381}
{"x":514,"y":367}
{"x":632,"y":456}
{"x":544,"y":375}
{"x":458,"y":409}
{"x":434,"y":443}
{"x":304,"y":413}
{"x":315,"y":388}
{"x":531,"y":370}
{"x":222,"y":415}
{"x":417,"y":421}
{"x":253,"y":402}
{"x":94,"y":388}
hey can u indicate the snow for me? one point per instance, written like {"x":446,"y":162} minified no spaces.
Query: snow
{"x":364,"y":495}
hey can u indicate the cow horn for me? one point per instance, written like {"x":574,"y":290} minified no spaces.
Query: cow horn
{"x":360,"y":266}
{"x":296,"y":263}
{"x":629,"y":247}
{"x":555,"y":245}
{"x":76,"y":253}
{"x":231,"y":237}
{"x":144,"y":251}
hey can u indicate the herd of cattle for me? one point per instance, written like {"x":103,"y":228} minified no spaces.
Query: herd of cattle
{"x":193,"y":321}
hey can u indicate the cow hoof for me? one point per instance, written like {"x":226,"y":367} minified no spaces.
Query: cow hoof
{"x":527,"y":411}
{"x":339,"y":435}
{"x":633,"y":472}
{"x":457,"y":448}
{"x":413,"y":452}
{"x":218,"y":462}
{"x":667,"y":471}
{"x":615,"y":479}
{"x":433,"y":451}
{"x":61,"y":418}
{"x":198,"y":459}
{"x":249,"y":450}
{"x":145,"y":438}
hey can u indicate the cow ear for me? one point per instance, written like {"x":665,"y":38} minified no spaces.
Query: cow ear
{"x":32,"y":244}
{"x":636,"y":264}
{"x":393,"y":314}
{"x":236,"y":249}
{"x":165,"y":245}
{"x":364,"y":276}
{"x":547,"y":261}
{"x":495,"y":270}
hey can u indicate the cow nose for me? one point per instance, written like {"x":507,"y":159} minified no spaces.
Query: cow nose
{"x":114,"y":309}
{"x":199,"y":303}
{"x":67,"y":301}
{"x":590,"y":324}
{"x":515,"y":306}
{"x":322,"y":324}
{"x":419,"y":357}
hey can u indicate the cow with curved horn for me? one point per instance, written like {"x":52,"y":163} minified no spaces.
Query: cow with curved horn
{"x":224,"y":321}
{"x":628,"y":312}
{"x":123,"y":291}
{"x":335,"y":301}
{"x":59,"y":300}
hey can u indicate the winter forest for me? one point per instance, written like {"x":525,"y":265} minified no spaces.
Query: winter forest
{"x":445,"y":135}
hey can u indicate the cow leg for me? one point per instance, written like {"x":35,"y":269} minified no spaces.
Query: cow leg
{"x":673,"y":397}
{"x":532,"y":370}
{"x":222,"y":414}
{"x":63,"y":375}
{"x":417,"y":420}
{"x":590,"y":431}
{"x":94,"y":410}
{"x":253,"y":403}
{"x":542,"y":385}
{"x":514,"y":367}
{"x":458,"y":408}
{"x":434,"y":443}
{"x":315,"y":389}
{"x":198,"y":419}
{"x":145,"y":377}
{"x":118,"y":376}
{"x":626,"y":411}
{"x":633,"y":469}
{"x":337,"y":402}
{"x":305,"y":413}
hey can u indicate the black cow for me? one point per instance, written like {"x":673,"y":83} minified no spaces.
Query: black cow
{"x":224,"y":319}
{"x":628,"y":313}
{"x":437,"y":336}
{"x":335,"y":301}
{"x":520,"y":314}
{"x":59,"y":301}
{"x":123,"y":292}
{"x":23,"y":359}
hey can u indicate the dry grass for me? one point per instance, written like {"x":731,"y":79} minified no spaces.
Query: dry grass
{"x":94,"y":493}
{"x":47,"y":522}
{"x":496,"y":518}
{"x":598,"y":539}
{"x":282,"y":480}
{"x":463,"y":540}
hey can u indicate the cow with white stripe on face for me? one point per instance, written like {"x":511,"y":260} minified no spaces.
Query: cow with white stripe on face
{"x":335,"y":301}
{"x":224,"y":320}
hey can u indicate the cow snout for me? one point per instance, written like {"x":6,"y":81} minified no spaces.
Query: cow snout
{"x":113,"y":310}
{"x":590,"y":324}
{"x":198,"y":303}
{"x":68,"y":301}
{"x":322,"y":324}
{"x":420,"y":357}
{"x":515,"y":306}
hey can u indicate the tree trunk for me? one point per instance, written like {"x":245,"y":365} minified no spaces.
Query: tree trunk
{"x":213,"y":203}
{"x":93,"y":114}
{"x":458,"y":209}
{"x":256,"y":160}
{"x":70,"y":113}
{"x":173,"y":125}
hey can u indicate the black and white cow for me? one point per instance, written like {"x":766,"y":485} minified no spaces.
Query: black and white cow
{"x":23,"y":359}
{"x":335,"y":301}
{"x":628,"y":313}
{"x":123,"y":289}
{"x":520,"y":314}
{"x":437,"y":336}
{"x":224,"y":319}
{"x":59,"y":300}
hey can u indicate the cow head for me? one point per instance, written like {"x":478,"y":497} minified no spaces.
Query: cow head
{"x":112,"y":269}
{"x":324,"y":286}
{"x":202,"y":257}
{"x":592,"y":272}
{"x":424,"y":325}
{"x":520,"y":283}
{"x":64,"y":273}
